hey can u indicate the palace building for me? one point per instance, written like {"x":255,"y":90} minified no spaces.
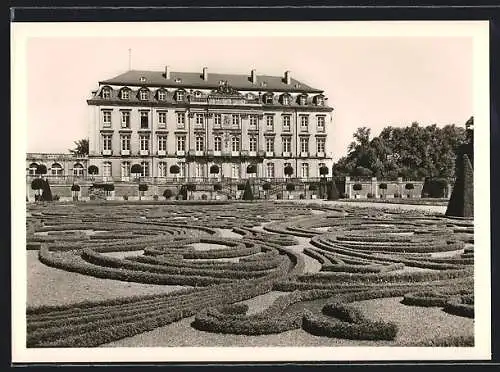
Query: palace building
{"x":193,"y":120}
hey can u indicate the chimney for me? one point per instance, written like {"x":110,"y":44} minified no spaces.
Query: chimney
{"x":253,"y":77}
{"x":288,"y":78}
{"x":205,"y":73}
{"x":167,"y":72}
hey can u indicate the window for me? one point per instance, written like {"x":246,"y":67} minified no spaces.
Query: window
{"x":235,"y":171}
{"x":143,"y":94}
{"x":236,"y":121}
{"x":182,"y":172}
{"x":106,"y":118}
{"x":56,"y":169}
{"x":181,"y":119}
{"x":144,"y":169}
{"x":287,"y":144}
{"x":162,"y":143}
{"x":217,"y":120}
{"x":199,"y":141}
{"x":284,"y":167}
{"x":320,"y":144}
{"x":304,"y":123}
{"x":179,"y":96}
{"x":125,"y":142}
{"x":125,"y":170}
{"x":77,"y":170}
{"x":125,"y":119}
{"x":302,"y":99}
{"x":268,"y":98}
{"x":286,"y":123}
{"x":305,"y":170}
{"x":162,"y":119}
{"x":199,"y":120}
{"x":270,"y":170}
{"x":217,"y":144}
{"x":253,"y":121}
{"x":144,"y":119}
{"x":270,"y":144}
{"x":304,"y":145}
{"x":285,"y":99}
{"x":162,"y":95}
{"x":144,"y":142}
{"x":106,"y":169}
{"x":125,"y":94}
{"x":198,"y":170}
{"x":106,"y":93}
{"x":181,"y":143}
{"x":320,"y":123}
{"x":235,"y":143}
{"x":252,"y":141}
{"x":32,"y":169}
{"x":162,"y":169}
{"x":197,"y":94}
{"x":320,"y":100}
{"x":106,"y":142}
{"x":270,"y":123}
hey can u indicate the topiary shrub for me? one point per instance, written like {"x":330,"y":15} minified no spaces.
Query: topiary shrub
{"x":323,"y":171}
{"x":241,"y":186}
{"x":332,"y":192}
{"x":46,"y":193}
{"x":290,"y":187}
{"x":383,"y":186}
{"x":397,"y":195}
{"x":75,"y":187}
{"x":143,"y":187}
{"x":288,"y":170}
{"x":37,"y":184}
{"x":252,"y":169}
{"x":155,"y":197}
{"x":136,"y":169}
{"x":204,"y":197}
{"x":167,"y":193}
{"x":175,"y":169}
{"x":214,"y":169}
{"x":357,"y":187}
{"x":93,"y":170}
{"x":248,"y":194}
{"x":370,"y":195}
{"x":217,"y":187}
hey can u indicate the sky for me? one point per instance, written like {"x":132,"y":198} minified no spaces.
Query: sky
{"x":369,"y":81}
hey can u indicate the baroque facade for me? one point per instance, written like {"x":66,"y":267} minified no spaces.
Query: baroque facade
{"x":159,"y":120}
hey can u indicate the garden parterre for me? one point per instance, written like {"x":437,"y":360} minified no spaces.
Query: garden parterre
{"x":426,"y":259}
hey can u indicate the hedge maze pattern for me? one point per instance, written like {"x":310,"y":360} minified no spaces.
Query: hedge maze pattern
{"x":426,"y":259}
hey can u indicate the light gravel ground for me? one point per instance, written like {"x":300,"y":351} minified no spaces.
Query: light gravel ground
{"x":50,"y":286}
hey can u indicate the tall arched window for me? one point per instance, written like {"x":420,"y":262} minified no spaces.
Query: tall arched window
{"x":56,"y":169}
{"x":106,"y":93}
{"x":32,"y":169}
{"x":125,"y":170}
{"x":77,"y":170}
{"x":235,"y":143}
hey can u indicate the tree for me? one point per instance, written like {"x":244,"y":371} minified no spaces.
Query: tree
{"x":108,"y":188}
{"x":191,"y":187}
{"x":175,"y":169}
{"x":41,"y":169}
{"x":82,"y":147}
{"x":333,"y":192}
{"x":37,"y":184}
{"x":74,"y":190}
{"x":214,"y":169}
{"x":142,"y":188}
{"x":266,"y":187}
{"x":93,"y":170}
{"x":167,"y":194}
{"x":323,"y":171}
{"x":248,"y":194}
{"x":46,"y":193}
{"x":251,"y":169}
{"x":136,"y":170}
{"x":288,"y":170}
{"x":290,"y":187}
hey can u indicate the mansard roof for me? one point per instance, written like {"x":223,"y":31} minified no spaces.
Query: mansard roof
{"x":194,"y":80}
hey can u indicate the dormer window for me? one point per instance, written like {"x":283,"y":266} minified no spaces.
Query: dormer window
{"x":106,"y":93}
{"x":268,"y":98}
{"x":250,"y":96}
{"x":179,"y":95}
{"x":124,"y":94}
{"x":143,"y":94}
{"x":178,"y":80}
{"x":302,"y":99}
{"x":320,"y":100}
{"x":142,"y":79}
{"x":285,"y":99}
{"x":162,"y":95}
{"x":197,"y":94}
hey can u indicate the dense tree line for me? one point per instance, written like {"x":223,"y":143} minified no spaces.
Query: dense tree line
{"x":411,"y":152}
